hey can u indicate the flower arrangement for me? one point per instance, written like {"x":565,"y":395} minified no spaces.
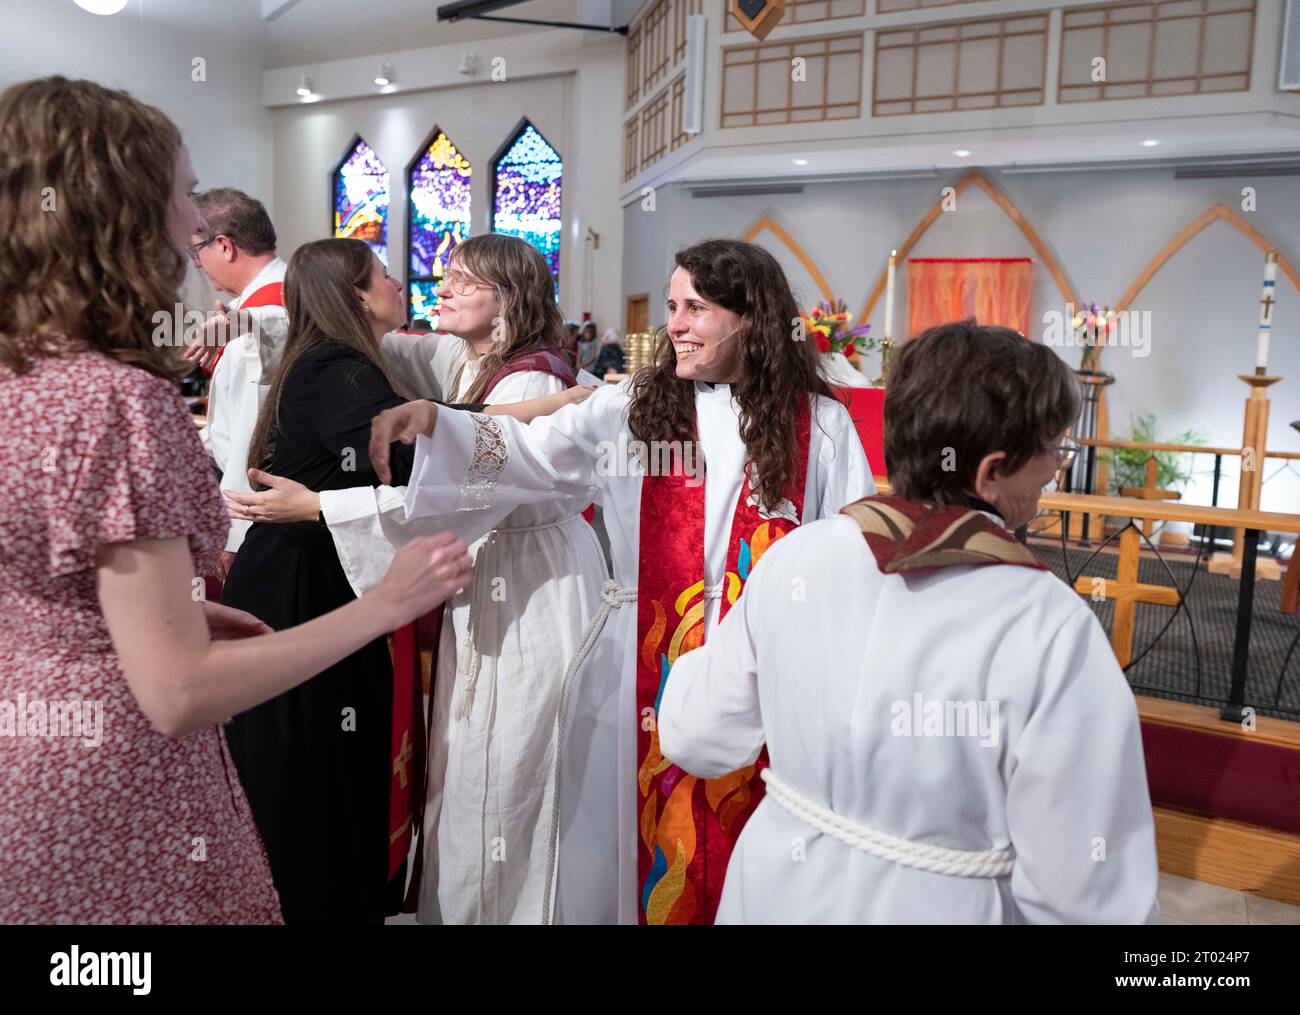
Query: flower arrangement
{"x":829,"y":324}
{"x":1090,"y":324}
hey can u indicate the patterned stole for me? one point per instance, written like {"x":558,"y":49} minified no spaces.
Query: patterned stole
{"x":688,"y":825}
{"x":906,"y":535}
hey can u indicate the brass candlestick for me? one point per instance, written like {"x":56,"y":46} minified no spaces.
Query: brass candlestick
{"x":886,"y":347}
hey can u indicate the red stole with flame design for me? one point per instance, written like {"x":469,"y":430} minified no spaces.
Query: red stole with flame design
{"x":689,"y":826}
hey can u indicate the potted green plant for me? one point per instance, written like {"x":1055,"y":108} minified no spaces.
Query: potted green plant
{"x":1127,"y":467}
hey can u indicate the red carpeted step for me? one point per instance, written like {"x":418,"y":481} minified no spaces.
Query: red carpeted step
{"x":1223,"y":776}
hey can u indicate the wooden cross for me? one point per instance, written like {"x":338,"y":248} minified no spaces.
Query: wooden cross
{"x":1149,"y":492}
{"x":402,"y":762}
{"x":1268,"y":302}
{"x":1127,"y":593}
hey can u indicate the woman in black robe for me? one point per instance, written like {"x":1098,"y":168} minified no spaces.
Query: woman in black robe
{"x":315,"y":762}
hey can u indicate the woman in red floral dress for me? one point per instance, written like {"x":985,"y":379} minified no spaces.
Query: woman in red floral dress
{"x":118,"y":800}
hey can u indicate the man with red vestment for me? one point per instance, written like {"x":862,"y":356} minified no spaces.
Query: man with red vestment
{"x":235,"y":248}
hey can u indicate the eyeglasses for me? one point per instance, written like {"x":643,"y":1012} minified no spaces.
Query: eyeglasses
{"x":1067,"y":450}
{"x":194,"y":248}
{"x":461,"y":284}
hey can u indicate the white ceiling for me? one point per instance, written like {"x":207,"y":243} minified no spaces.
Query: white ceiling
{"x":312,"y":31}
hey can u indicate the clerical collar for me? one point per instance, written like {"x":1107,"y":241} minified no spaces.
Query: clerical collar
{"x":272,"y":271}
{"x":985,"y":508}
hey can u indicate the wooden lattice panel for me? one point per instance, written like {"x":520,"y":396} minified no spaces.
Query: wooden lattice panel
{"x":654,"y":129}
{"x":633,"y":66}
{"x":1175,"y":47}
{"x":630,"y":132}
{"x":759,"y":86}
{"x":985,"y":64}
{"x":656,"y":45}
{"x":893,"y":6}
{"x":680,"y":137}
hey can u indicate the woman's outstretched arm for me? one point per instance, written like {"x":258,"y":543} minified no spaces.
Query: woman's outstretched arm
{"x":183,"y":680}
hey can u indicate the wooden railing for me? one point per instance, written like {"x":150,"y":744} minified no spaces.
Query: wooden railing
{"x":1091,"y":446}
{"x":1128,"y":592}
{"x":1125,"y":589}
{"x":1133,"y":507}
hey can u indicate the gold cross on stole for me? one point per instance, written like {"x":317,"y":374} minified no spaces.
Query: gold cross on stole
{"x":402,"y":762}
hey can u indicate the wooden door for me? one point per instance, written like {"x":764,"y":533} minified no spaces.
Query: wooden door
{"x":638,"y":313}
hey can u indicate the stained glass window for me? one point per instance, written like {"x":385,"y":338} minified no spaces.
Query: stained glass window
{"x":439,"y":188}
{"x":526,"y":194}
{"x":361,"y":198}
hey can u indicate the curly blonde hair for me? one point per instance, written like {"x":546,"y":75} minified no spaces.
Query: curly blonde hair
{"x":86,"y":258}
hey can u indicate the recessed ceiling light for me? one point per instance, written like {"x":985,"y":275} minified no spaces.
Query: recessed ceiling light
{"x":304,"y":86}
{"x":101,"y":6}
{"x":1150,"y":143}
{"x":962,"y":153}
{"x":801,"y":162}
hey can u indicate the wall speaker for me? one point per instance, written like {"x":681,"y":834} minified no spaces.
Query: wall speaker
{"x":693,"y":99}
{"x":1289,"y":74}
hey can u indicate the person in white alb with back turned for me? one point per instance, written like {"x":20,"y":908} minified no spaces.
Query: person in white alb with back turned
{"x":951,"y":739}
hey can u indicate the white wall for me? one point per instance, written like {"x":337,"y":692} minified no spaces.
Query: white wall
{"x":148,"y":49}
{"x":1103,"y":227}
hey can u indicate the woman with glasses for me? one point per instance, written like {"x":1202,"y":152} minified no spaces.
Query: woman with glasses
{"x":966,"y":750}
{"x":507,"y":641}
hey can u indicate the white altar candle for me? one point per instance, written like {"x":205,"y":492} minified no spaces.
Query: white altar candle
{"x":889,"y":297}
{"x":1266,"y":303}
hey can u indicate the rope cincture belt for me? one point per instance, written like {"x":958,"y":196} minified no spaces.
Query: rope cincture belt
{"x":612,"y":596}
{"x":962,"y":863}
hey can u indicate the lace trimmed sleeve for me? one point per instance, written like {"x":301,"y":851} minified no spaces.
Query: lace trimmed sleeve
{"x":485,"y":467}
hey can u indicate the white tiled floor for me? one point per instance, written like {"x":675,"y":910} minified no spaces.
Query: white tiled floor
{"x":1181,"y":901}
{"x":1185,"y":901}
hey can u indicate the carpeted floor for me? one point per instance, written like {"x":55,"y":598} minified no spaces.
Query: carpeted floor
{"x":1168,"y":669}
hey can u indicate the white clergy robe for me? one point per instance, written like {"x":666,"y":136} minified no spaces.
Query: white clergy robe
{"x":238,"y":388}
{"x":506,"y":641}
{"x":460,"y":482}
{"x":847,"y":674}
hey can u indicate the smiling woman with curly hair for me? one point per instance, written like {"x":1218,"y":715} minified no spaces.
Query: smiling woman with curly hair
{"x":729,"y":440}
